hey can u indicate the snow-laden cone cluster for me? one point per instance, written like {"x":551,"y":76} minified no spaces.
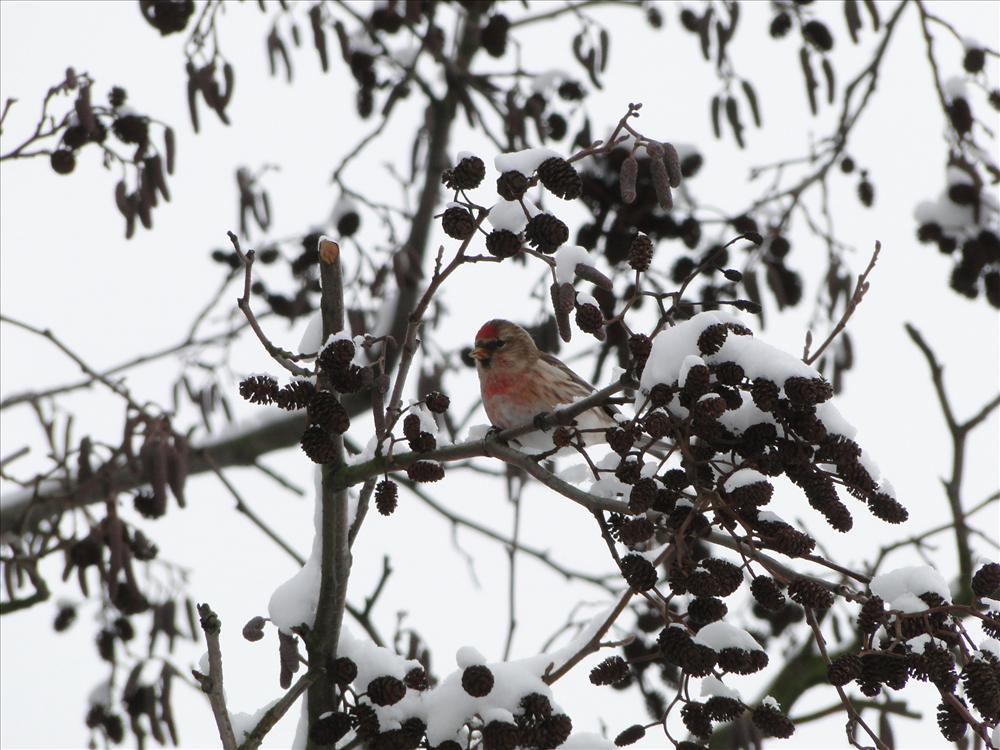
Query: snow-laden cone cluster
{"x":739,"y":414}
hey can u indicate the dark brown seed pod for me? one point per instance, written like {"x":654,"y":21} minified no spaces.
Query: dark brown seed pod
{"x":639,"y":346}
{"x":951,"y":722}
{"x":590,"y":320}
{"x":627,"y":176}
{"x":610,"y":671}
{"x":317,"y":445}
{"x":386,"y":496}
{"x":477,"y":680}
{"x":635,"y":531}
{"x":771,"y":722}
{"x":887,"y":508}
{"x":465,"y":175}
{"x":871,"y":614}
{"x":706,"y":609}
{"x":337,"y":355}
{"x":642,"y":496}
{"x":326,"y":411}
{"x":546,"y":232}
{"x":416,"y":679}
{"x":810,"y":593}
{"x":640,"y":253}
{"x":259,"y":389}
{"x":639,"y":572}
{"x":411,"y":426}
{"x":512,"y":185}
{"x":458,"y":223}
{"x":807,"y":391}
{"x":342,"y":670}
{"x":696,"y":719}
{"x":728,"y":577}
{"x":437,"y":402}
{"x":386,"y":690}
{"x":712,"y":339}
{"x":721,"y":708}
{"x":296,"y":395}
{"x":329,"y":729}
{"x":986,"y":581}
{"x":843,"y":669}
{"x":425,"y":471}
{"x":500,"y":735}
{"x":502,"y":243}
{"x":560,"y":178}
{"x":765,"y":394}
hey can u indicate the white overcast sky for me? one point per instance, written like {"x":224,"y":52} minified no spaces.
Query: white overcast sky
{"x":65,"y":265}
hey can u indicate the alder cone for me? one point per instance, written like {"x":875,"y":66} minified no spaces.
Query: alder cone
{"x":772,"y":723}
{"x":512,"y":185}
{"x":466,"y":175}
{"x":386,"y":690}
{"x":809,"y":593}
{"x":458,"y":223}
{"x":986,"y":580}
{"x":639,"y":572}
{"x":560,"y":178}
{"x":477,"y":680}
{"x":608,"y":672}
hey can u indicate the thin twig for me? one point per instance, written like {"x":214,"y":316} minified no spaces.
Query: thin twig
{"x":212,"y":683}
{"x":860,"y":289}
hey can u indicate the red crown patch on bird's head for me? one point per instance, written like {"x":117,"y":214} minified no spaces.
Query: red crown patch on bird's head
{"x":487,"y":332}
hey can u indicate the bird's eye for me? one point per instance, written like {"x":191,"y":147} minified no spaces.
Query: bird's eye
{"x":500,"y":343}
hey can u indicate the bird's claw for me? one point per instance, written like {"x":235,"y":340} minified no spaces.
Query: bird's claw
{"x":542,"y":421}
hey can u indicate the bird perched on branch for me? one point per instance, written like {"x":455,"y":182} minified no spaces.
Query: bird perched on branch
{"x":518,"y":382}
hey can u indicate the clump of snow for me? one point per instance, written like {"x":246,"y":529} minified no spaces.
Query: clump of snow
{"x":691,"y":360}
{"x":720,"y":635}
{"x":771,"y":702}
{"x":902,"y":587}
{"x":312,"y":337}
{"x":767,"y":516}
{"x":479,"y":431}
{"x":243,"y":723}
{"x":525,"y":162}
{"x":567,"y":259}
{"x":742,"y":478}
{"x":468,"y":656}
{"x":294,"y":602}
{"x":587,"y":741}
{"x":345,"y":204}
{"x":575,"y":473}
{"x":203,"y":665}
{"x":918,"y":644}
{"x":711,"y":686}
{"x":510,"y":216}
{"x":990,"y":646}
{"x":101,"y":694}
{"x":582,"y":298}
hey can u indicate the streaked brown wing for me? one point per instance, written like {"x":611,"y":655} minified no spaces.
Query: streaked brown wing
{"x":584,"y":385}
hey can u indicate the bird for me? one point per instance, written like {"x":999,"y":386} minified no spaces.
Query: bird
{"x":518,"y":382}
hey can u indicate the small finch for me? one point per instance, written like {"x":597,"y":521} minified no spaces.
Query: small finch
{"x":518,"y":381}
